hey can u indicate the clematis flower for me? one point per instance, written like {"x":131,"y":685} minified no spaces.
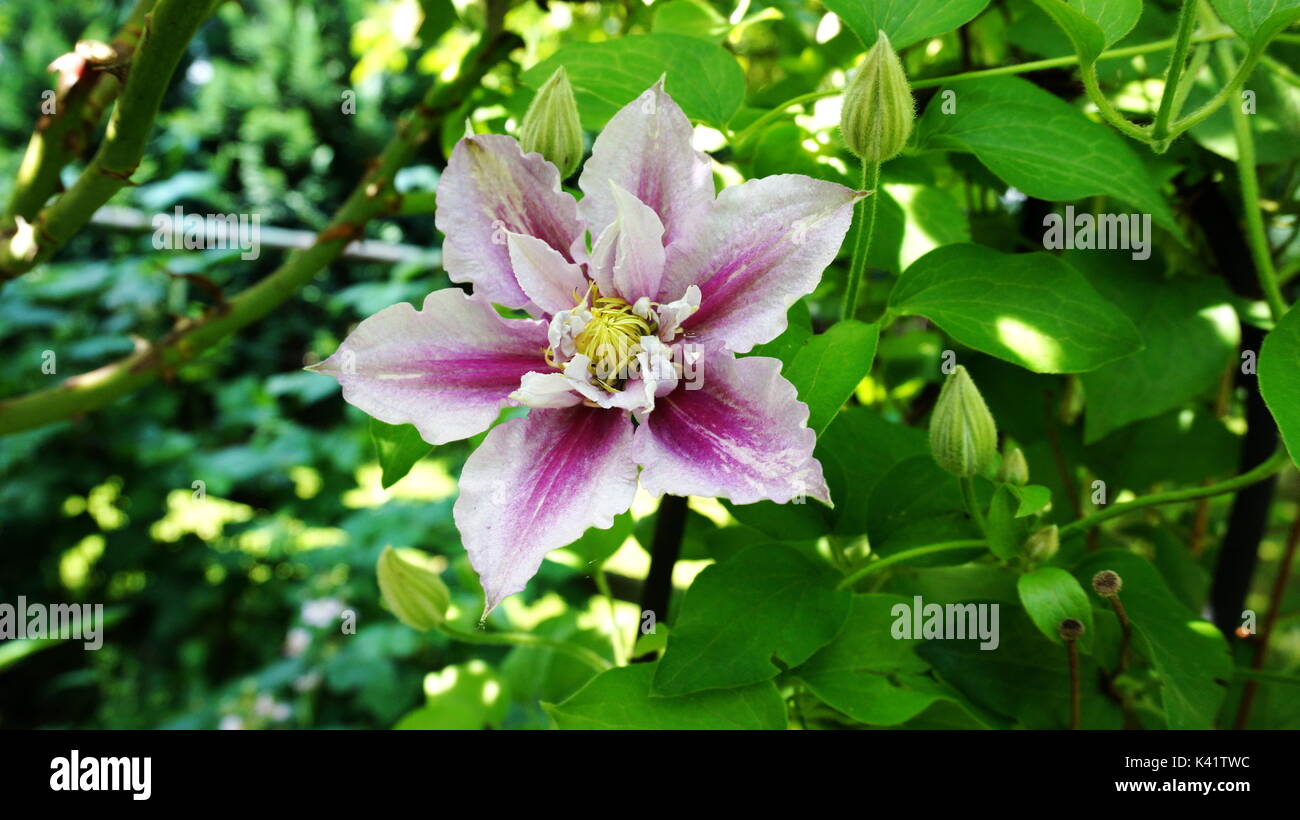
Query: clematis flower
{"x":629,"y":363}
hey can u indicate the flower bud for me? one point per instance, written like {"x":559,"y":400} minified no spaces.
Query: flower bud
{"x":551,"y":126}
{"x":1107,"y":583}
{"x":963,"y":436}
{"x":409,"y":583}
{"x":1070,"y":629}
{"x":1014,"y":470}
{"x":878,"y":110}
{"x":1043,"y":544}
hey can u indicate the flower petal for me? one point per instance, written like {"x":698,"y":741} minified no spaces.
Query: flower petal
{"x":766,"y":244}
{"x":447,"y":368}
{"x":646,"y":149}
{"x":628,"y":257}
{"x":491,"y":187}
{"x":538,"y":483}
{"x":544,"y":275}
{"x":743,"y":435}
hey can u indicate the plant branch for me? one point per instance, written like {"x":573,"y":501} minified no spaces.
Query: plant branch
{"x":1270,"y":623}
{"x":168,"y":30}
{"x":372,"y":197}
{"x":656,"y":594}
{"x":1173,"y":76}
{"x":866,"y":219}
{"x":1276,"y":462}
{"x":906,"y":555}
{"x":62,"y":136}
{"x":1256,"y":235}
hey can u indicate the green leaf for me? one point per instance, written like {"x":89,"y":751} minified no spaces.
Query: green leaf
{"x":1190,"y":655}
{"x":905,"y":21}
{"x":828,"y":366}
{"x":1026,"y":678}
{"x":621,"y":699}
{"x":1257,"y":20}
{"x":1189,"y":330}
{"x":1088,"y":38}
{"x":703,"y":78}
{"x":470,"y":696}
{"x":1279,"y":378}
{"x":1050,"y":595}
{"x":689,"y":17}
{"x":767,"y":602}
{"x":856,"y":452}
{"x":868,"y":674}
{"x":915,"y":504}
{"x":1041,"y":145}
{"x":1029,"y":309}
{"x":596,"y":545}
{"x":399,"y":447}
{"x":1004,"y":532}
{"x":1033,"y":497}
{"x":1093,"y":25}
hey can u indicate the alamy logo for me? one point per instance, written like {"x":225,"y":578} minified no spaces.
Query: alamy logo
{"x":1085,"y":231}
{"x":83,"y":622}
{"x":75,"y":773}
{"x":208,"y":232}
{"x":954,"y":622}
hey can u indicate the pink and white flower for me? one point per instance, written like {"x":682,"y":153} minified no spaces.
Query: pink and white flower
{"x":629,"y":366}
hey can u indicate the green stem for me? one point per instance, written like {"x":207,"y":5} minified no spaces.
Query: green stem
{"x":1256,"y":235}
{"x":906,"y":555}
{"x":972,"y":501}
{"x":579,"y":653}
{"x":1173,"y":76}
{"x":373,"y":196}
{"x":1253,"y":56}
{"x":866,"y":219}
{"x":1108,"y":111}
{"x":1265,"y":676}
{"x":1000,"y":71}
{"x":1274,"y":463}
{"x":615,"y":640}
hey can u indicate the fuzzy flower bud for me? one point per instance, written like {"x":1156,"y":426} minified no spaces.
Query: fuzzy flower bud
{"x":1107,"y":583}
{"x":1070,"y":629}
{"x":963,"y":436}
{"x":409,"y":583}
{"x":551,"y":126}
{"x":1043,"y":544}
{"x":878,"y":110}
{"x":1014,"y":470}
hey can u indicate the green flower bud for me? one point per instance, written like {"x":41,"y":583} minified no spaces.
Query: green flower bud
{"x":1043,"y":544}
{"x":551,"y":126}
{"x":963,"y":437}
{"x":878,"y":110}
{"x":1014,"y":470}
{"x":409,"y":583}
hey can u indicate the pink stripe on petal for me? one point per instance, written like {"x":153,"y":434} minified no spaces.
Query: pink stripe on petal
{"x":743,"y":435}
{"x":646,"y":150}
{"x":766,"y":244}
{"x":448,"y":368}
{"x":536,"y":484}
{"x":491,"y":188}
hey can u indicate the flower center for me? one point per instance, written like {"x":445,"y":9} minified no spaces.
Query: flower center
{"x":611,"y":339}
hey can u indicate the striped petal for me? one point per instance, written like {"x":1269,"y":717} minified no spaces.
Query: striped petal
{"x":765,"y":245}
{"x":448,"y":368}
{"x":742,"y":435}
{"x":646,"y":150}
{"x":489,"y":190}
{"x":536,"y":484}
